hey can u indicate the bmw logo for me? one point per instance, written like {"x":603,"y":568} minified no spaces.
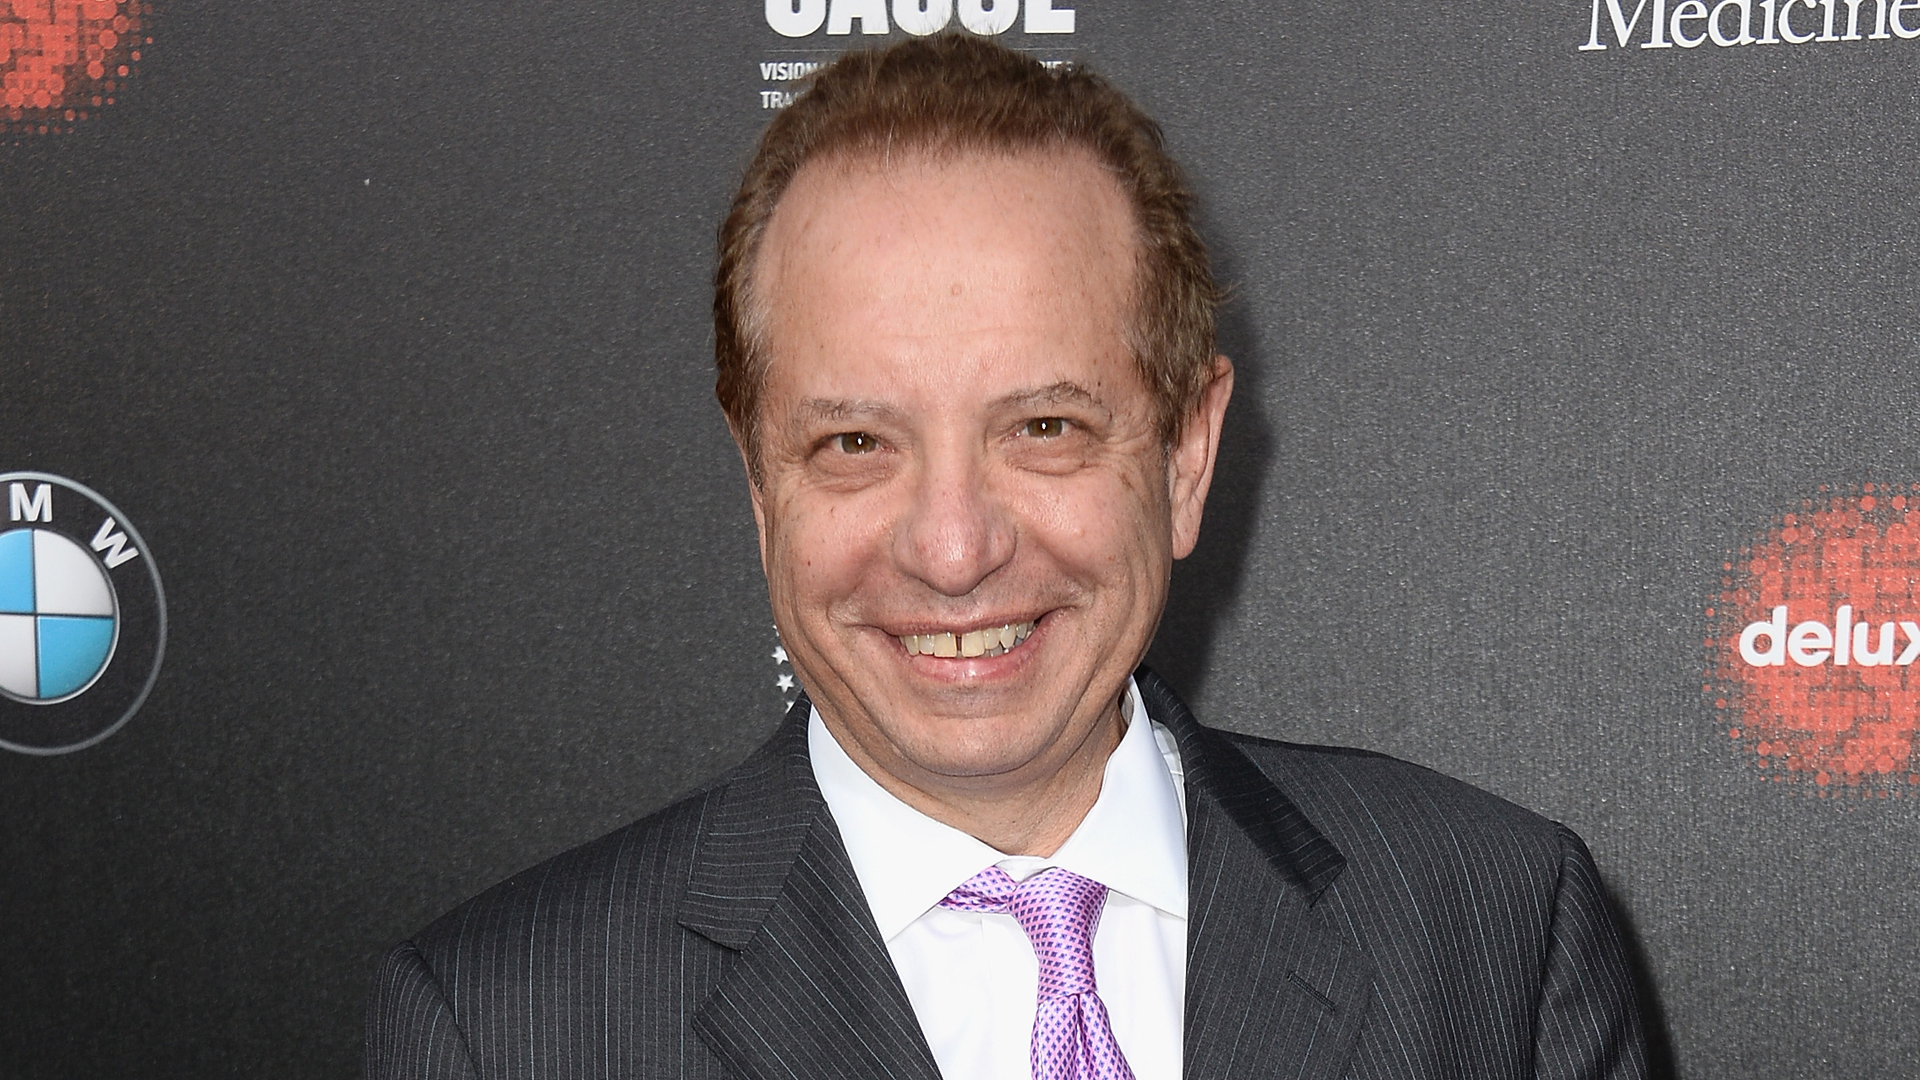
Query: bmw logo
{"x":83,"y":621}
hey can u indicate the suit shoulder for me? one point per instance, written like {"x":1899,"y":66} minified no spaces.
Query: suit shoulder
{"x":636,"y":870}
{"x":586,"y":938}
{"x":1362,"y":799}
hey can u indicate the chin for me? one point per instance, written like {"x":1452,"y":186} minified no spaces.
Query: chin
{"x":989,"y":746}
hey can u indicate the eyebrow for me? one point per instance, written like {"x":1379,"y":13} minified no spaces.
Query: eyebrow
{"x":840,"y":410}
{"x":1062,"y":392}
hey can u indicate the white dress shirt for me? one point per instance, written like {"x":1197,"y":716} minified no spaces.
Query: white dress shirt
{"x":971,"y":976}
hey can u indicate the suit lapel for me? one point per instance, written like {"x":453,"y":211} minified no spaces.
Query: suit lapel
{"x":1273,"y":989}
{"x":811,"y":990}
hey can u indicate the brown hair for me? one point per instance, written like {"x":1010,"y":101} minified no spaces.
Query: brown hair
{"x":956,"y":92}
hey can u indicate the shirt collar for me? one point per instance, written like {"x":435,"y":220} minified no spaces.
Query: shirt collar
{"x":1133,"y":840}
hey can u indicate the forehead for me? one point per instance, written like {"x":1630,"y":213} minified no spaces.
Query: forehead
{"x":929,"y":245}
{"x":898,"y":193}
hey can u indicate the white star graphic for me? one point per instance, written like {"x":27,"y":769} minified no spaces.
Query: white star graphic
{"x":779,"y":654}
{"x":784,"y":682}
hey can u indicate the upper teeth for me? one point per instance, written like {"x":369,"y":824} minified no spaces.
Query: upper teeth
{"x":992,"y":641}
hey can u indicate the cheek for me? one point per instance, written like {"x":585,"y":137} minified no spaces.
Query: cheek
{"x":822,"y":551}
{"x":1099,"y":524}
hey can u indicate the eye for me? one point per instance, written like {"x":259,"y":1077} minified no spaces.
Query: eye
{"x":1045,"y":427}
{"x":856,"y":442}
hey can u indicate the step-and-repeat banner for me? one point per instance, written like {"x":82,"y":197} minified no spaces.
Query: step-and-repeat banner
{"x":372,"y":532}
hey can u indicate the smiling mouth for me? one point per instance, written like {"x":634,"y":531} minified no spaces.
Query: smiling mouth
{"x":991,"y":641}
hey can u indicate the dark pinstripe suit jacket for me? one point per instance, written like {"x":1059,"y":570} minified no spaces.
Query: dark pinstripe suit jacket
{"x":1351,"y":916}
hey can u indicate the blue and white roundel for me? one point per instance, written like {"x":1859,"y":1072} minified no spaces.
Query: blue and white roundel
{"x":58,"y":616}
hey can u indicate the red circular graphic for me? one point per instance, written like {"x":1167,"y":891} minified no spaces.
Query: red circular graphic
{"x":1814,"y":640}
{"x":61,"y":60}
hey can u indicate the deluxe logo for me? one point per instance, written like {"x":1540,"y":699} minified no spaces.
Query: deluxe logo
{"x":61,"y":60}
{"x":799,"y":18}
{"x":1813,"y":643}
{"x":83,"y":620}
{"x":1690,"y":24}
{"x":1814,"y":638}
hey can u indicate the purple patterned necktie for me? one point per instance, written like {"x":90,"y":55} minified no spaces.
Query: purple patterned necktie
{"x":1072,"y":1038}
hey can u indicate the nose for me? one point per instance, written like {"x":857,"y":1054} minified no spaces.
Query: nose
{"x":955,"y":531}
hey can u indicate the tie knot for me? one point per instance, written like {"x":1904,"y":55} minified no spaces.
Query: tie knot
{"x":1057,"y":908}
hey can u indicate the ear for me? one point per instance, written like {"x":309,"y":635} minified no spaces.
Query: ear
{"x":1190,"y":464}
{"x":755,"y":493}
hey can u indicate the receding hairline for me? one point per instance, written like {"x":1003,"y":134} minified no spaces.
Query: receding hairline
{"x":878,"y":157}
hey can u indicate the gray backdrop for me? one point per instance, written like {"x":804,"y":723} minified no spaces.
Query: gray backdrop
{"x":386,"y":324}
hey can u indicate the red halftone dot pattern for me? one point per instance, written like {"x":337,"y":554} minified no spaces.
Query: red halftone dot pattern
{"x":1832,"y":728}
{"x":61,"y":60}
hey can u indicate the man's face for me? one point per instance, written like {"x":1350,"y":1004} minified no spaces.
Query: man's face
{"x":966,"y":513}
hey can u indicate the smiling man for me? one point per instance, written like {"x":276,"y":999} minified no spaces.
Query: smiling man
{"x":964,"y":330}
